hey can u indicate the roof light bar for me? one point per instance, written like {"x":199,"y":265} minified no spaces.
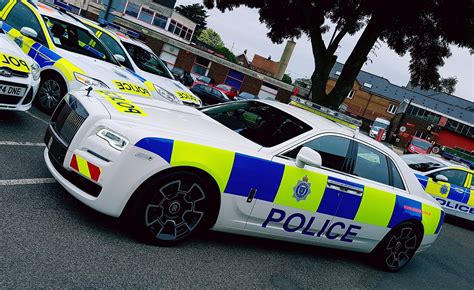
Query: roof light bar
{"x":327,"y":113}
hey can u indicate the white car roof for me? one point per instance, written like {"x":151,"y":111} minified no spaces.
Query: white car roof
{"x":46,"y":10}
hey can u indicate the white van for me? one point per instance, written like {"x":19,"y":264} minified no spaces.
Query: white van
{"x":378,"y":124}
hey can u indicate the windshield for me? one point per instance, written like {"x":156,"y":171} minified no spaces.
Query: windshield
{"x":421,"y":162}
{"x":76,"y":39}
{"x":147,"y":61}
{"x":247,"y":96}
{"x":224,"y":87}
{"x":204,"y":79}
{"x":258,"y":122}
{"x":379,"y":125}
{"x":421,"y":144}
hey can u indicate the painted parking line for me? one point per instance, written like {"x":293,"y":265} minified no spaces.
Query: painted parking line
{"x":28,"y":181}
{"x":14,"y":143}
{"x":36,"y":117}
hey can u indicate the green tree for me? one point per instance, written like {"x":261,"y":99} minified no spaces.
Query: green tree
{"x":210,"y":37}
{"x":422,"y":28}
{"x":287,"y":79}
{"x":195,"y":12}
{"x":227,"y":53}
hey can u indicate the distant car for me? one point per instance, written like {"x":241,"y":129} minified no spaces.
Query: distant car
{"x":378,"y":124}
{"x":418,"y":146}
{"x":230,"y":91}
{"x":182,"y":76}
{"x":205,"y":80}
{"x":245,"y":96}
{"x":209,"y":95}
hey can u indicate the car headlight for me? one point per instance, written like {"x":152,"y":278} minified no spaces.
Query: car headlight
{"x":88,"y":81}
{"x":35,"y":71}
{"x":167,"y":95}
{"x":115,"y":140}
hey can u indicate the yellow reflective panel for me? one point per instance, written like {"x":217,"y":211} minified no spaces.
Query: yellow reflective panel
{"x":187,"y":97}
{"x":290,"y":179}
{"x":14,"y":63}
{"x":217,"y":162}
{"x":439,"y":188}
{"x":430,"y":216}
{"x":82,"y":165}
{"x":470,"y":202}
{"x":131,"y":88}
{"x":376,"y":207}
{"x":67,"y":68}
{"x":122,"y":104}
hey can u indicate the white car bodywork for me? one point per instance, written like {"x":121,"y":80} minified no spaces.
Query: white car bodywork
{"x":122,"y":172}
{"x":22,"y":85}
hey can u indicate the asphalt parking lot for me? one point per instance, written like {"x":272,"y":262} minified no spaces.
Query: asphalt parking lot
{"x":49,"y":239}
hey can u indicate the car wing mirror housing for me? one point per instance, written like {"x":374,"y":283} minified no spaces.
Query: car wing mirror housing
{"x":308,"y":156}
{"x":441,"y":177}
{"x":29,"y":32}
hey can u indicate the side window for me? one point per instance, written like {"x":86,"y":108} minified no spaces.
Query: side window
{"x":396,"y":177}
{"x":333,"y":150}
{"x":371,"y":164}
{"x":21,"y":16}
{"x":456,"y":177}
{"x":3,"y":3}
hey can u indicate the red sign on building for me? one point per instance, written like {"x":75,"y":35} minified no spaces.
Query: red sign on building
{"x":442,"y":121}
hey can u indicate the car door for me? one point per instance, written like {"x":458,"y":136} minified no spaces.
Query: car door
{"x":307,"y":198}
{"x":452,"y":195}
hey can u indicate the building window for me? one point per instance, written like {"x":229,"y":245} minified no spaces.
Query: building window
{"x":350,"y":95}
{"x":338,"y":73}
{"x":200,"y":66}
{"x":189,"y":34}
{"x":132,"y":9}
{"x":421,"y":134}
{"x":392,"y":108}
{"x":172,"y":26}
{"x":160,"y":20}
{"x":367,"y":85}
{"x":146,"y":15}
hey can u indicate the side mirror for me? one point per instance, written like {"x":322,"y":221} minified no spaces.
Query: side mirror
{"x":120,"y":58}
{"x":29,"y":32}
{"x":308,"y":156}
{"x":440,"y":177}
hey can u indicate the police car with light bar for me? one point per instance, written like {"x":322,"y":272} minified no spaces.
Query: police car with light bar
{"x":69,"y":55}
{"x":19,"y":76}
{"x":259,"y":168}
{"x":140,"y":59}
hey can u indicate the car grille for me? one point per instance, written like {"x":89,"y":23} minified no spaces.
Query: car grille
{"x":67,"y":119}
{"x":9,"y":100}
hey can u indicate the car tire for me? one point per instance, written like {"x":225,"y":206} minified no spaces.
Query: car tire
{"x":170,"y":208}
{"x":398,"y":247}
{"x":50,"y":92}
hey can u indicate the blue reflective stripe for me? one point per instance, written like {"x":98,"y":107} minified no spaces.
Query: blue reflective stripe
{"x":43,"y":55}
{"x":136,"y":75}
{"x":160,"y":146}
{"x":339,"y":203}
{"x":405,"y":209}
{"x":250,"y":172}
{"x":422,"y":179}
{"x":455,"y":195}
{"x":441,"y":220}
{"x":330,"y":201}
{"x":6,"y":27}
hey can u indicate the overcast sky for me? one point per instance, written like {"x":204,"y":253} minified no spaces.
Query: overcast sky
{"x":240,"y":29}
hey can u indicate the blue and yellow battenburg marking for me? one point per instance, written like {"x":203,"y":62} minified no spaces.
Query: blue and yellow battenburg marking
{"x":237,"y":174}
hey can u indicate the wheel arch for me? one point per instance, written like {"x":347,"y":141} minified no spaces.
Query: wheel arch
{"x":414,"y":221}
{"x":54,"y":71}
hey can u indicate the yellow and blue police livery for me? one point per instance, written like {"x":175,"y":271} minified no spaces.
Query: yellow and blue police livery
{"x":258,"y":168}
{"x":69,"y":55}
{"x":452,"y":187}
{"x":19,"y":76}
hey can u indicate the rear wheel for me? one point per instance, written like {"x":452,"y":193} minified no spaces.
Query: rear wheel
{"x":51,"y":90}
{"x":398,"y":247}
{"x":170,"y":208}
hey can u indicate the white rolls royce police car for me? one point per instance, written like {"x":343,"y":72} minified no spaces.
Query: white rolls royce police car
{"x":258,"y":168}
{"x":69,"y":55}
{"x":19,"y":76}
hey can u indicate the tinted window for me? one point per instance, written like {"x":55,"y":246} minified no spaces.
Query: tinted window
{"x":3,"y":3}
{"x":371,"y":164}
{"x":147,"y":61}
{"x":21,"y":16}
{"x":396,"y":178}
{"x":333,"y":150}
{"x":258,"y":122}
{"x":456,"y":177}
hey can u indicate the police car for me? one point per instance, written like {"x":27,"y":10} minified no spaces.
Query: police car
{"x":69,"y":55}
{"x":252,"y":167}
{"x":451,"y":185}
{"x":141,"y":60}
{"x":19,"y":76}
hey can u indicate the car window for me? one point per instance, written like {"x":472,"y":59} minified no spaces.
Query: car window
{"x":333,"y":150}
{"x":258,"y":122}
{"x":112,"y":45}
{"x":147,"y":61}
{"x":219,"y":94}
{"x":396,"y":177}
{"x":76,"y":39}
{"x":371,"y":164}
{"x":207,"y":89}
{"x":3,"y":3}
{"x":21,"y":16}
{"x":456,"y":177}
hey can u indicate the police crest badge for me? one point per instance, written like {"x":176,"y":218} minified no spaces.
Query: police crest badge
{"x":444,"y":189}
{"x":302,"y":189}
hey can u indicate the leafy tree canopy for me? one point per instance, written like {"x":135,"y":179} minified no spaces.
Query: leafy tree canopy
{"x":229,"y":55}
{"x":287,"y":79}
{"x":422,"y":28}
{"x":211,"y":38}
{"x":195,"y":12}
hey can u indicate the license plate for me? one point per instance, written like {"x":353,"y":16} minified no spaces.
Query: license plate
{"x":12,"y":91}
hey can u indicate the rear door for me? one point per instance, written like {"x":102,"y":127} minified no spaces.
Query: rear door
{"x":306,"y":200}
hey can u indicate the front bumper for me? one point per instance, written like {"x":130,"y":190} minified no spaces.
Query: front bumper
{"x":21,"y":103}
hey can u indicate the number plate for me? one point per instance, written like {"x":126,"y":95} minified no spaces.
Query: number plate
{"x":12,"y":91}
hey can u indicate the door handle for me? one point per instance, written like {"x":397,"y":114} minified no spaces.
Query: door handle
{"x":459,"y":190}
{"x":344,"y":188}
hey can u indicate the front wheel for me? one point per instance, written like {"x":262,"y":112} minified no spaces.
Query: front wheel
{"x":398,"y":247}
{"x":170,"y":208}
{"x":51,"y":90}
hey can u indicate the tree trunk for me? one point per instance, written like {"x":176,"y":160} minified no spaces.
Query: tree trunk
{"x":320,"y":77}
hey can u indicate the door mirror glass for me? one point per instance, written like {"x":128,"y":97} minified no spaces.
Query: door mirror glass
{"x":308,"y":156}
{"x":441,"y":177}
{"x":29,"y":32}
{"x":120,"y":58}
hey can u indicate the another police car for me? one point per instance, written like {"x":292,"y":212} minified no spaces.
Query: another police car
{"x":452,"y":186}
{"x":19,"y":76}
{"x":69,"y":55}
{"x":141,"y":60}
{"x":258,"y":168}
